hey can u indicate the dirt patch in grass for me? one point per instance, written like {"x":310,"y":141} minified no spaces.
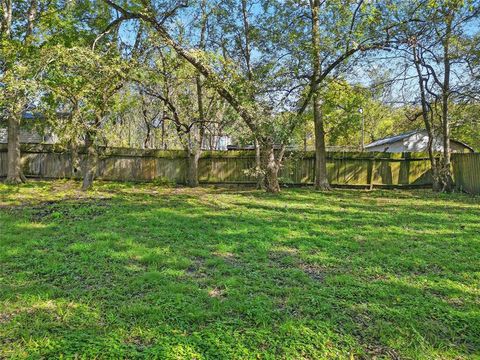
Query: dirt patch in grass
{"x":138,"y":341}
{"x":197,"y":268}
{"x":315,"y":272}
{"x":217,"y":293}
{"x":373,"y":351}
{"x":69,"y":210}
{"x":286,"y":258}
{"x":6,"y":317}
{"x":231,"y":259}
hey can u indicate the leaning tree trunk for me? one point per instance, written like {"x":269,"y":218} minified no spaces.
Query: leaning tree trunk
{"x":271,"y":168}
{"x":14,"y":163}
{"x":192,"y":173}
{"x":90,"y":163}
{"x":321,"y":178}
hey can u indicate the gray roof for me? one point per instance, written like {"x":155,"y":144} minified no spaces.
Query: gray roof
{"x":464,"y":144}
{"x":393,"y":139}
{"x":28,"y":115}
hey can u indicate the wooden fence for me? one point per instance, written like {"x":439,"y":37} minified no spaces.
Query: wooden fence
{"x":466,"y":172}
{"x":352,"y":169}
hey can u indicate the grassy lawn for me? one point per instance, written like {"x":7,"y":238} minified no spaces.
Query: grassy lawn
{"x":138,"y":271}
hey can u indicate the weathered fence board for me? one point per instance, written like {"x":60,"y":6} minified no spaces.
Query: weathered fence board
{"x":363,"y":169}
{"x":466,"y":172}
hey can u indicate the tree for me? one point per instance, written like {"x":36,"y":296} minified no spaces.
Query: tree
{"x":29,"y":27}
{"x":440,"y":51}
{"x":321,"y":179}
{"x":18,"y":72}
{"x":82,"y":84}
{"x":338,"y":31}
{"x":188,"y":104}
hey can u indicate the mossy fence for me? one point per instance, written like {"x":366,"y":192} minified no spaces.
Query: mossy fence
{"x":232,"y":167}
{"x":466,"y":170}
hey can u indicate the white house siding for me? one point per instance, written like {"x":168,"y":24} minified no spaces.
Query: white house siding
{"x":416,"y":142}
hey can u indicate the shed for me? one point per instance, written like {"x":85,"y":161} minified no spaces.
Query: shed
{"x":415,"y":141}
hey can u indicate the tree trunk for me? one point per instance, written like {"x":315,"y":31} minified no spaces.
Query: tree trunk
{"x":427,"y":120}
{"x":74,"y":160}
{"x":164,"y":147}
{"x":192,"y":173}
{"x":445,"y":170}
{"x":436,"y":182}
{"x":14,"y":161}
{"x":90,"y":163}
{"x":6,"y":24}
{"x":148,"y":138}
{"x":258,"y":166}
{"x":271,"y":168}
{"x":14,"y":164}
{"x":321,"y":178}
{"x":31,"y":16}
{"x":194,"y":155}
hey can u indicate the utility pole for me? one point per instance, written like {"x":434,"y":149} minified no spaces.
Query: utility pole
{"x":363,"y":128}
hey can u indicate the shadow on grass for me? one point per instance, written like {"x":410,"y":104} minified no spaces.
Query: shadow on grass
{"x":218,"y":273}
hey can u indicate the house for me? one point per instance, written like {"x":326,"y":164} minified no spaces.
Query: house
{"x":216,"y":142}
{"x":29,"y":136}
{"x":415,"y":141}
{"x":28,"y":133}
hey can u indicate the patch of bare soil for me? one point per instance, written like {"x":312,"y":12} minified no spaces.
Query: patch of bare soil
{"x":379,"y":352}
{"x":229,"y":258}
{"x":69,"y":210}
{"x":139,"y":342}
{"x":217,"y":293}
{"x":197,"y":269}
{"x":315,"y":272}
{"x":373,"y":349}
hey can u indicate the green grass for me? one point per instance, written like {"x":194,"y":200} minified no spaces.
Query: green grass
{"x":141,"y":271}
